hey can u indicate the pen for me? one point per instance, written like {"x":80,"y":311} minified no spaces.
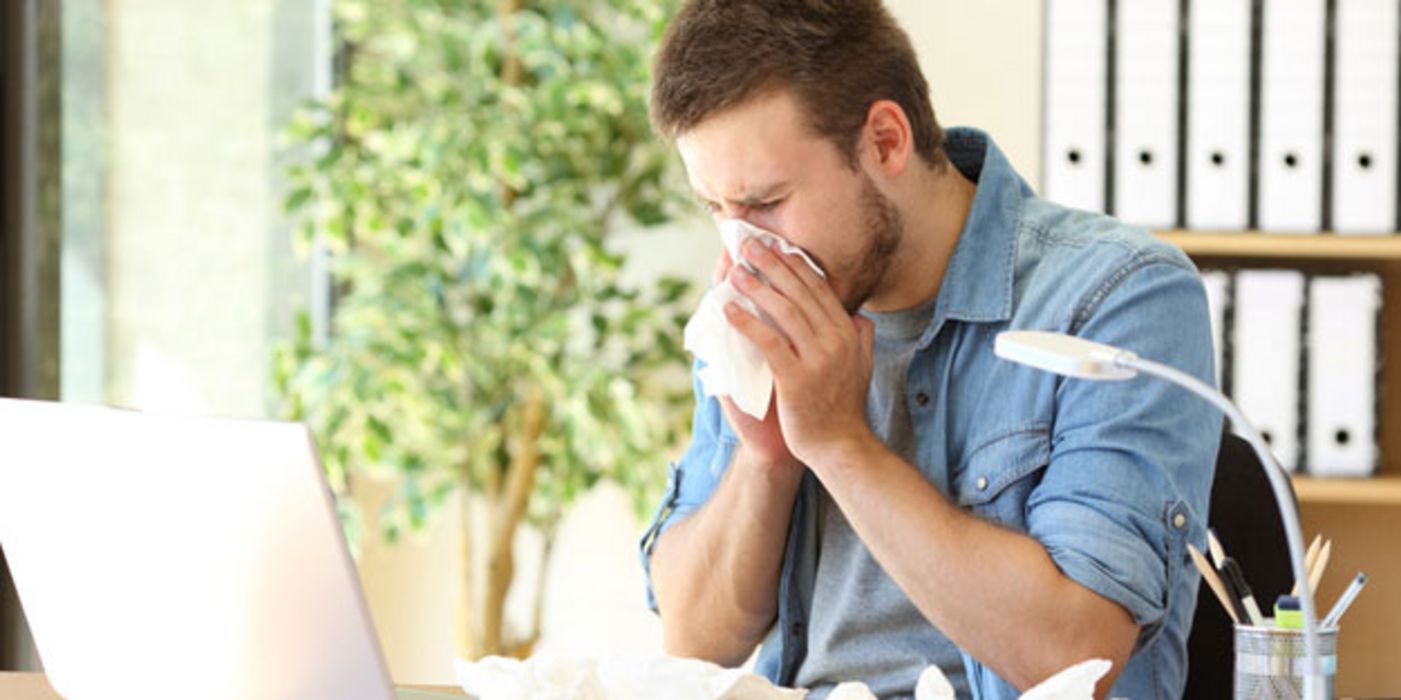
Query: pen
{"x":1231,"y":572}
{"x":1345,"y":600}
{"x":1235,"y":581}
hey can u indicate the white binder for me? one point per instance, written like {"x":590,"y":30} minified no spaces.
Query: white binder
{"x":1217,"y":284}
{"x":1291,"y":116}
{"x":1342,"y":374}
{"x":1076,"y":86}
{"x":1265,"y":353}
{"x":1218,"y":115}
{"x":1145,"y":107}
{"x":1365,"y":116}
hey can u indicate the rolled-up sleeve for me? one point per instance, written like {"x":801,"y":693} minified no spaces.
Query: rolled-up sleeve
{"x":1132,"y":461}
{"x":692,"y":479}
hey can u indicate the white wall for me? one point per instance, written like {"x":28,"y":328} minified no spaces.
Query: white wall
{"x":983,"y":62}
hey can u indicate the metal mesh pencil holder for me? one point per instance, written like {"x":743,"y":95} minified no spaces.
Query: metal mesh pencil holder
{"x":1271,"y":662}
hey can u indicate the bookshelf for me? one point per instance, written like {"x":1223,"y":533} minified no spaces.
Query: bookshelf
{"x":1327,"y":252}
{"x":1204,"y":245}
{"x":1359,"y":515}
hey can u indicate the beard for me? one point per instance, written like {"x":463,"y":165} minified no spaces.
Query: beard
{"x":885,"y":229}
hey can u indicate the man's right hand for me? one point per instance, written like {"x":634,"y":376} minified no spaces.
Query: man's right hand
{"x":763,"y":439}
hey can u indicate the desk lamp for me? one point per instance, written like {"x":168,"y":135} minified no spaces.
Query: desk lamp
{"x":1083,"y":359}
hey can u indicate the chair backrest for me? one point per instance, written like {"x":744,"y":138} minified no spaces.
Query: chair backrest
{"x":1247,"y":521}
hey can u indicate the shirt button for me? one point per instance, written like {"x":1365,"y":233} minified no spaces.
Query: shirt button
{"x":922,"y":399}
{"x":1179,"y":521}
{"x":982,"y":483}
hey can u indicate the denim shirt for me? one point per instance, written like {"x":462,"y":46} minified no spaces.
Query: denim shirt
{"x":1112,"y":478}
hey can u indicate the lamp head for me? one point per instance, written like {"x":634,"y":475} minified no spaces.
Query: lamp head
{"x":1063,"y":354}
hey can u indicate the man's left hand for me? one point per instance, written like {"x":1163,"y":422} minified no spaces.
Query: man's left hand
{"x":820,"y":354}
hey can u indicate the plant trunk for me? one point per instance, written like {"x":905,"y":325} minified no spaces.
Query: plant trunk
{"x":510,"y":511}
{"x":481,"y":619}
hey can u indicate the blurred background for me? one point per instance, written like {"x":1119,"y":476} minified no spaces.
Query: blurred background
{"x":225,"y":207}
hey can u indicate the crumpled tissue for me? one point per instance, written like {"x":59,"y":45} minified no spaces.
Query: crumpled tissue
{"x":1074,"y":683}
{"x":633,"y":678}
{"x":734,"y":366}
{"x":617,"y":678}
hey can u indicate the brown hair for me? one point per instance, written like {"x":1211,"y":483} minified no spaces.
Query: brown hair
{"x":837,"y":56}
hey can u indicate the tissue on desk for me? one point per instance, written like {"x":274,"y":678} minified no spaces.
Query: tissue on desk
{"x":629,"y":678}
{"x":1074,"y":683}
{"x":734,"y":367}
{"x":618,"y":678}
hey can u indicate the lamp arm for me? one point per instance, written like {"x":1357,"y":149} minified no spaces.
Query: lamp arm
{"x":1279,"y":483}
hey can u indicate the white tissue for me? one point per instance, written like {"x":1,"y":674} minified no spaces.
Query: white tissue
{"x":734,"y":366}
{"x":1074,"y":683}
{"x":628,"y":678}
{"x":851,"y":691}
{"x":933,"y":685}
{"x":619,"y":678}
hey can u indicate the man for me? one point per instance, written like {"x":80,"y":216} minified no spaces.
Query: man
{"x":910,"y":499}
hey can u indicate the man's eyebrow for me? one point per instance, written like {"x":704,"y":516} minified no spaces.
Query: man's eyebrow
{"x":751,"y":198}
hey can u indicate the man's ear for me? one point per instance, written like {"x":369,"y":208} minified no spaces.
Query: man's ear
{"x":888,"y":138}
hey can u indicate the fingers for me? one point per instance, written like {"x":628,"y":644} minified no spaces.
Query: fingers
{"x":793,"y":278}
{"x":775,"y":347}
{"x":820,"y":289}
{"x":785,"y":312}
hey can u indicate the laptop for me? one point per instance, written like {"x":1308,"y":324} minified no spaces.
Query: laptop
{"x":163,"y":557}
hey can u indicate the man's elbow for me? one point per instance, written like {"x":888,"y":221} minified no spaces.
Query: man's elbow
{"x":681,"y":641}
{"x":1098,"y":629}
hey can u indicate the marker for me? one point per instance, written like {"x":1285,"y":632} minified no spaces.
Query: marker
{"x":1234,"y":582}
{"x":1345,"y":600}
{"x":1288,"y":615}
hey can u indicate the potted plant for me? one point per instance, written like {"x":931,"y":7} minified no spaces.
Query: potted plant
{"x":465,"y":175}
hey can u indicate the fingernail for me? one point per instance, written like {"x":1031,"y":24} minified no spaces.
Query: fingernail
{"x":742,"y":276}
{"x":731,"y":309}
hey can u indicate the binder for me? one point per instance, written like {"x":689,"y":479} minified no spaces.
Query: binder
{"x":1217,"y":284}
{"x":1342,"y":376}
{"x":1365,"y":116}
{"x":1146,"y":108}
{"x":1291,"y":116}
{"x":1218,"y":116}
{"x":1265,"y":356}
{"x":1076,"y":85}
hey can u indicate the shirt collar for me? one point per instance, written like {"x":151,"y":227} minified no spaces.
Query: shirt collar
{"x":977,"y":285}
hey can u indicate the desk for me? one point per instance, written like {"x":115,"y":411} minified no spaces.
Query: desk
{"x":33,"y":686}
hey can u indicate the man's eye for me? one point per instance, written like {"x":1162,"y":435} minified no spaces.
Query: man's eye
{"x":767,"y":206}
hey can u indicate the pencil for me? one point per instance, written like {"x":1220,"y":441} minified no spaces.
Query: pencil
{"x":1309,"y":558}
{"x":1317,"y":574}
{"x":1213,"y":582}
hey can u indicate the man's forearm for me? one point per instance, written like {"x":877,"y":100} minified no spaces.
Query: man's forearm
{"x":995,"y":593}
{"x":715,"y":574}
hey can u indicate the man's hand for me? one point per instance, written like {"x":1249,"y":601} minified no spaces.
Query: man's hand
{"x":820,"y":355}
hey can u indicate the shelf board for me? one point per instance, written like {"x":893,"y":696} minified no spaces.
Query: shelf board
{"x":1254,"y":244}
{"x":1377,"y":490}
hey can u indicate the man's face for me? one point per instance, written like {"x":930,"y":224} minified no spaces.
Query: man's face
{"x":761,"y":162}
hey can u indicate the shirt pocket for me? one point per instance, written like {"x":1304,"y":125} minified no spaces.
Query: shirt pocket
{"x":997,"y":478}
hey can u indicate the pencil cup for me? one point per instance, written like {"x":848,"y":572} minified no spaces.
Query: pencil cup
{"x":1271,"y":662}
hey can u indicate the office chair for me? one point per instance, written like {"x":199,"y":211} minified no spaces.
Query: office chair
{"x":1247,"y":521}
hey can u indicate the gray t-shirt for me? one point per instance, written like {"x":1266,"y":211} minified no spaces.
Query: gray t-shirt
{"x":863,"y":628}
